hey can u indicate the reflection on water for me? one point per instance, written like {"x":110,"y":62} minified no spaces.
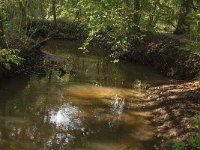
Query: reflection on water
{"x":65,"y":118}
{"x":118,"y":105}
{"x":84,"y":103}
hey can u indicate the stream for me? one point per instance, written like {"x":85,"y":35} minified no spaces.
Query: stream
{"x":84,"y":103}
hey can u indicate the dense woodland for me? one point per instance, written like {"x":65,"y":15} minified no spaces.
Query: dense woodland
{"x":24,"y":24}
{"x":121,"y":20}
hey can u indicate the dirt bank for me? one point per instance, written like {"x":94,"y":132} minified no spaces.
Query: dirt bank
{"x":163,"y":52}
{"x":174,"y":107}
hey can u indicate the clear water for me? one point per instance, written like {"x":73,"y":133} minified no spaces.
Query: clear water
{"x":93,"y":105}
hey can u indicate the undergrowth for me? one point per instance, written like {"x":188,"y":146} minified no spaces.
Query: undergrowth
{"x":192,"y":143}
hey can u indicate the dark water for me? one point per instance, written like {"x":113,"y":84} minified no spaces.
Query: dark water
{"x":89,"y":104}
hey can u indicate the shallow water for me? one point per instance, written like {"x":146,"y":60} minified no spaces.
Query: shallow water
{"x":92,"y":105}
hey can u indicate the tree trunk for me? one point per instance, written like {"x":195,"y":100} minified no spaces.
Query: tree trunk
{"x":137,"y":15}
{"x":23,"y":16}
{"x":152,"y":17}
{"x":183,"y":25}
{"x":54,"y":12}
{"x":23,"y":12}
{"x":42,"y":10}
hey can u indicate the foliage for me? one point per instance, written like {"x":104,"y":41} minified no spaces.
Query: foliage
{"x":118,"y":23}
{"x":193,"y":46}
{"x":193,"y":142}
{"x":112,"y":18}
{"x":179,"y":145}
{"x":194,"y":18}
{"x":115,"y":18}
{"x":9,"y":58}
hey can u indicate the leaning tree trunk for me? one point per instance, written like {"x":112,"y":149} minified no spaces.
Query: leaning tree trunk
{"x":42,"y":10}
{"x":183,"y":25}
{"x":23,"y":16}
{"x":54,"y":12}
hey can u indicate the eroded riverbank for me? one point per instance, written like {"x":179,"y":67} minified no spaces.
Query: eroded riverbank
{"x":165,"y":53}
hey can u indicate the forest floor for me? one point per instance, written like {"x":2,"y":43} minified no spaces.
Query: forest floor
{"x":174,"y":108}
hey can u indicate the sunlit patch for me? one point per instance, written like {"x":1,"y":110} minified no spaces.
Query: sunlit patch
{"x":65,"y":118}
{"x":93,"y":92}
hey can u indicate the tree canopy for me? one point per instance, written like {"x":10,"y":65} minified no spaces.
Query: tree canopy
{"x":121,"y":20}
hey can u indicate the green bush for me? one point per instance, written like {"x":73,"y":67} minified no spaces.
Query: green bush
{"x":194,"y":47}
{"x":8,"y":58}
{"x":179,"y":145}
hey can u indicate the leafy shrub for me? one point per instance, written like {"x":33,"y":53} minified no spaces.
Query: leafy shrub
{"x":9,"y":58}
{"x":179,"y":145}
{"x":193,"y":47}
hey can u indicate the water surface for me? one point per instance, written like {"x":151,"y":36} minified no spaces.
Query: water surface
{"x":83,"y":103}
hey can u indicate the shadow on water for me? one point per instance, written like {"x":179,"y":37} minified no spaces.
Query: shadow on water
{"x":83,"y":102}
